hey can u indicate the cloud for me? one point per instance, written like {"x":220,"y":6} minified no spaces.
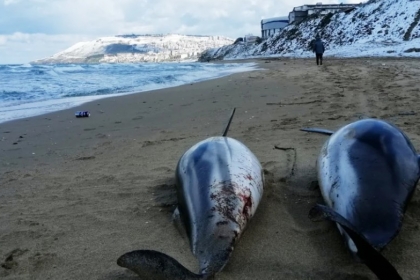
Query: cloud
{"x":24,"y":47}
{"x":67,"y":19}
{"x":10,"y":2}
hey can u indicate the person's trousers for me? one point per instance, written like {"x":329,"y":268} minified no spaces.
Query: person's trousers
{"x":319,"y":58}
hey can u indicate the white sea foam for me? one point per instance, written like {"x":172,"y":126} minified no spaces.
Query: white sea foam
{"x":39,"y":89}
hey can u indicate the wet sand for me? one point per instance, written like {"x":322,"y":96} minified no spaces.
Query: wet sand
{"x":75,"y":194}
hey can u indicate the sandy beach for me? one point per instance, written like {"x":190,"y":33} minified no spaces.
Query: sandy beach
{"x":75,"y":194}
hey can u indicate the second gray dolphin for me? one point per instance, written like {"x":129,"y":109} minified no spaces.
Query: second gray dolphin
{"x":367,"y":172}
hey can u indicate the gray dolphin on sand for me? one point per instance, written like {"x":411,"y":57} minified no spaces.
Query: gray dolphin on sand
{"x":219,"y":186}
{"x":367,"y":172}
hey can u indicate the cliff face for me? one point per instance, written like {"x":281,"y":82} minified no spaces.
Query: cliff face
{"x":381,"y":27}
{"x":138,"y":48}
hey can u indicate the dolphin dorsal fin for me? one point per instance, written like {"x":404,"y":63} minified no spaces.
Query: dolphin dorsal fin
{"x":377,"y":263}
{"x":149,"y":264}
{"x":318,"y":130}
{"x":225,"y":131}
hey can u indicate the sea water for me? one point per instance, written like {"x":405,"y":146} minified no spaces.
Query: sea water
{"x":28,"y":90}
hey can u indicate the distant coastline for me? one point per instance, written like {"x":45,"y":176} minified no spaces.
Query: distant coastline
{"x":132,"y":48}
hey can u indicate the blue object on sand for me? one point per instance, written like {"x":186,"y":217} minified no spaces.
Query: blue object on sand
{"x":82,"y":114}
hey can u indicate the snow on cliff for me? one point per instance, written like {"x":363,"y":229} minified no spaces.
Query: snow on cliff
{"x":138,"y":48}
{"x":376,"y":28}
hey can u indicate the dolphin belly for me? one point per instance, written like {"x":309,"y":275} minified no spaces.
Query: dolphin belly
{"x":219,"y":187}
{"x":368,"y":171}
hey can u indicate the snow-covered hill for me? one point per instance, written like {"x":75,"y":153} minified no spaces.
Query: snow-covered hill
{"x":138,"y":48}
{"x":376,"y":28}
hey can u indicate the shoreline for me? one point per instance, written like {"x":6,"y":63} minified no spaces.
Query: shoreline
{"x":75,"y":194}
{"x":58,"y":104}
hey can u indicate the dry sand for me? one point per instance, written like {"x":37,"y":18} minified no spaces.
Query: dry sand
{"x":75,"y":194}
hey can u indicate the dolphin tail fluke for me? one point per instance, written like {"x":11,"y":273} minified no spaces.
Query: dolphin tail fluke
{"x":149,"y":264}
{"x":379,"y":265}
{"x":317,"y":130}
{"x":225,"y":131}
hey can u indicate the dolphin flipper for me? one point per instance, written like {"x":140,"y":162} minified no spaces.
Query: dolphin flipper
{"x":179,"y":224}
{"x":379,"y":265}
{"x":149,"y":264}
{"x":225,"y":131}
{"x":318,"y":130}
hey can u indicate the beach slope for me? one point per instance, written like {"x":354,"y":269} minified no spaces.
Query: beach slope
{"x":75,"y":194}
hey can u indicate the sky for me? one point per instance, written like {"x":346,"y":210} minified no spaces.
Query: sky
{"x":35,"y":29}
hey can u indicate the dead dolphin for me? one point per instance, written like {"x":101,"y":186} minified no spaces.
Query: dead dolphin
{"x":219,"y":186}
{"x":367,"y":172}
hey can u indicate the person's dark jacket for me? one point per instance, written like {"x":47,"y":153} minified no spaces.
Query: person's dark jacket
{"x":318,"y":46}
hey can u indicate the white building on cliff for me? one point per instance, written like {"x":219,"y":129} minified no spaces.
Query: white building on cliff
{"x":300,"y":13}
{"x":270,"y":26}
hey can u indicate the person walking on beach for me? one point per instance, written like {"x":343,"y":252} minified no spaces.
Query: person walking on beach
{"x":318,"y":49}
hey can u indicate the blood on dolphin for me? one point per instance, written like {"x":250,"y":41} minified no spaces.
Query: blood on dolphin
{"x":219,"y":185}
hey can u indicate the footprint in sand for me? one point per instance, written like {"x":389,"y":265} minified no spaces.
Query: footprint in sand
{"x":11,"y":258}
{"x":85,"y":158}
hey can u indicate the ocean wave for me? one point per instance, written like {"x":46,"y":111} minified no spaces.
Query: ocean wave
{"x":102,"y":91}
{"x":73,"y":83}
{"x":69,"y":68}
{"x":10,"y":93}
